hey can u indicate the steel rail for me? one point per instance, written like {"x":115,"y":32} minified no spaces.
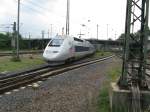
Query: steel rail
{"x":16,"y":81}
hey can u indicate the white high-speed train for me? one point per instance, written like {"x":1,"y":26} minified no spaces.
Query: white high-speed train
{"x":67,"y":48}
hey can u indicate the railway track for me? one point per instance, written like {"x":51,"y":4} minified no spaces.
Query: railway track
{"x":16,"y":80}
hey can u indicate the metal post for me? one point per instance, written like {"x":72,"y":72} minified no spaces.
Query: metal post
{"x":48,"y":34}
{"x":43,"y":39}
{"x":97,"y":31}
{"x":18,"y":19}
{"x":115,"y":36}
{"x":13,"y":40}
{"x":51,"y":30}
{"x":67,"y":17}
{"x":107,"y":31}
{"x":62,"y":30}
{"x":29,"y":41}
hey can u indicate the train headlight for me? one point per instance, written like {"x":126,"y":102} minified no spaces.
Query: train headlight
{"x":49,"y":52}
{"x":55,"y":51}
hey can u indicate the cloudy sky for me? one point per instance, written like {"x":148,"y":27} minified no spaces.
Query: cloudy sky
{"x":38,"y":15}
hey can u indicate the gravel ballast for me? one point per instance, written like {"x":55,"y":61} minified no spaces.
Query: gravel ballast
{"x":73,"y":91}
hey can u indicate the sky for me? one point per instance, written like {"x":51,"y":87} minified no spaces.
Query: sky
{"x":50,"y":15}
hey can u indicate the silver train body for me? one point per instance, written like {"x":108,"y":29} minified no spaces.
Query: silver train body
{"x":64,"y":48}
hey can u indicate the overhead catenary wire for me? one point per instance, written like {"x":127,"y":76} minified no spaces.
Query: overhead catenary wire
{"x":39,"y":12}
{"x":35,"y":6}
{"x":32,"y":9}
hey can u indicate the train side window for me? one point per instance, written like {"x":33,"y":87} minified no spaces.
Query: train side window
{"x":79,"y":40}
{"x":81,"y":49}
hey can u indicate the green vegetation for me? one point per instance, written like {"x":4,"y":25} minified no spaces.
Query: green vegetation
{"x":135,"y":35}
{"x":7,"y":65}
{"x":35,"y":44}
{"x":5,"y":41}
{"x":114,"y":74}
{"x":103,"y":99}
{"x":101,"y":54}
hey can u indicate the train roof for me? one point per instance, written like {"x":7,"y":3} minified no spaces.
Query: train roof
{"x":67,"y":37}
{"x":61,"y":36}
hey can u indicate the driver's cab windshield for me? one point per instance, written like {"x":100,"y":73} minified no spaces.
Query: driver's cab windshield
{"x":56,"y":42}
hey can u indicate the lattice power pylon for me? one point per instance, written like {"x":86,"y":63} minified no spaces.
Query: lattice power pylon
{"x":135,"y":51}
{"x":135,"y":47}
{"x":134,"y":73}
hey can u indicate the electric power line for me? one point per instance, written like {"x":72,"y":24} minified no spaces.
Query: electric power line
{"x":37,"y":5}
{"x":32,"y":9}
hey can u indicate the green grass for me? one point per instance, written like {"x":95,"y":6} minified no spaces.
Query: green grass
{"x":101,"y":54}
{"x":10,"y":51}
{"x":114,"y":74}
{"x":103,"y":99}
{"x":7,"y":65}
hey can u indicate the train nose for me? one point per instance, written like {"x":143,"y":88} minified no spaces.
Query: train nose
{"x":50,"y":54}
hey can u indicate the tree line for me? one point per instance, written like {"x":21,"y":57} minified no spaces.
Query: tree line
{"x":134,"y":35}
{"x":32,"y":44}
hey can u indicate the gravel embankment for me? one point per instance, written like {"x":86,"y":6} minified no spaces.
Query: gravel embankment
{"x":74,"y":91}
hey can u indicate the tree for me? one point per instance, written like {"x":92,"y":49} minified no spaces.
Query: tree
{"x":5,"y":41}
{"x":121,"y":37}
{"x":135,"y":35}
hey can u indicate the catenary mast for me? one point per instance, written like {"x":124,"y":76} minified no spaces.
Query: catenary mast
{"x":68,"y":17}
